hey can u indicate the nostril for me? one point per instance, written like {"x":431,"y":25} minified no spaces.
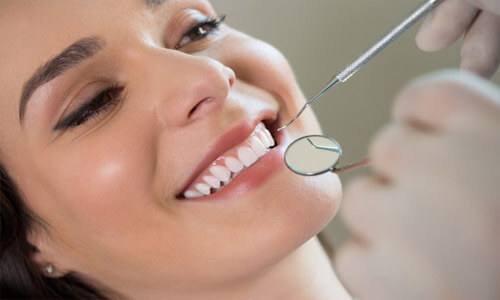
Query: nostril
{"x":191,"y":112}
{"x":231,"y":77}
{"x":199,"y":106}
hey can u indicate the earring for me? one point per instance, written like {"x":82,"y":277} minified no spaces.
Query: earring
{"x":49,"y":269}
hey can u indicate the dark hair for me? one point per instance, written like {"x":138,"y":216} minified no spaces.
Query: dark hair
{"x":20,"y":277}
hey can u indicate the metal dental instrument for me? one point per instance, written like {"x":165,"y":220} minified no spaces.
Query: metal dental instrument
{"x":371,"y":53}
{"x":317,"y":154}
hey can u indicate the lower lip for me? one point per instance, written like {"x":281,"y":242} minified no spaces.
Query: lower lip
{"x":255,"y":176}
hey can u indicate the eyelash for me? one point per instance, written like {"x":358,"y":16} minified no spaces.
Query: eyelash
{"x":213,"y":25}
{"x":106,"y":98}
{"x":96,"y":105}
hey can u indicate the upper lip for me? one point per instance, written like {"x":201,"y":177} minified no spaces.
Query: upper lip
{"x":229,"y":139}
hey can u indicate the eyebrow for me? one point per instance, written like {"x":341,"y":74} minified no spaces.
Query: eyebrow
{"x":71,"y":57}
{"x":154,"y":4}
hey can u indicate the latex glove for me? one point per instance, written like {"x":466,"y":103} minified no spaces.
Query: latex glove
{"x":426,"y":224}
{"x":478,"y":20}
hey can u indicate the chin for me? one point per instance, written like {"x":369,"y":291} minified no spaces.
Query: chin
{"x":305,"y":208}
{"x":297,"y":209}
{"x":292,"y":209}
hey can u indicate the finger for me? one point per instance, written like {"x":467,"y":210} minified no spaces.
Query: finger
{"x":375,"y":210}
{"x":388,"y":270}
{"x":369,"y":210}
{"x":360,"y":194}
{"x":447,"y":100}
{"x":399,"y":150}
{"x":481,"y":46}
{"x":351,"y":267}
{"x":427,"y":107}
{"x":445,"y":25}
{"x":492,"y":6}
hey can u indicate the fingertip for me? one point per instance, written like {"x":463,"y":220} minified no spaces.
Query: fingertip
{"x":401,"y":109}
{"x":424,"y":103}
{"x":480,"y":52}
{"x":443,"y":100}
{"x":426,"y":37}
{"x":358,"y":198}
{"x":414,"y":109}
{"x":423,"y":44}
{"x":445,"y":25}
{"x":460,"y":78}
{"x":358,"y":187}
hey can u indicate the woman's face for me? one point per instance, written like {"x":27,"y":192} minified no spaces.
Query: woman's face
{"x":129,"y":106}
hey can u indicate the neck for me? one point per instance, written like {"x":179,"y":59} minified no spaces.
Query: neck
{"x":307,"y":273}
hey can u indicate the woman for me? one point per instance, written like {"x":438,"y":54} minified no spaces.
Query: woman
{"x":137,"y":160}
{"x":140,"y":160}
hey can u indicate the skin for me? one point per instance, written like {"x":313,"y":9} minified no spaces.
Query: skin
{"x":106,"y":190}
{"x":425,"y":224}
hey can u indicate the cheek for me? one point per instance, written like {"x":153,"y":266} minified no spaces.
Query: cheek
{"x":264,"y":66}
{"x":258,"y":63}
{"x":108,"y":183}
{"x":306,"y":203}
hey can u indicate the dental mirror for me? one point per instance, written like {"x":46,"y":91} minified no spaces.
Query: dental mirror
{"x":315,"y":155}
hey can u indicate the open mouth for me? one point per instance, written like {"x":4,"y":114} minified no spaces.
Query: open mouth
{"x":231,"y":164}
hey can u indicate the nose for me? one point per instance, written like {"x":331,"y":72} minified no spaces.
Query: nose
{"x":188,"y":86}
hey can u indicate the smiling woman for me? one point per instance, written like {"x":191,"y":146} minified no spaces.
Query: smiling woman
{"x":140,"y":159}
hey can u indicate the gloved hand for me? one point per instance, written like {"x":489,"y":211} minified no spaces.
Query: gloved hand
{"x":478,"y":21}
{"x":426,"y":224}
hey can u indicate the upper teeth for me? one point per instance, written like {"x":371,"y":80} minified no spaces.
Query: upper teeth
{"x":231,"y":163}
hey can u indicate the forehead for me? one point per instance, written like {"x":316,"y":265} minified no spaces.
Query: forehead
{"x":33,"y":31}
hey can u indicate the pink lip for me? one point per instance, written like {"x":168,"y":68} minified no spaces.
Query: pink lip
{"x":228,"y":140}
{"x":256,"y":175}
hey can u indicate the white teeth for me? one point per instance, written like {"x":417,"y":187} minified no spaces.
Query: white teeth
{"x":257,"y":146}
{"x":264,"y":139}
{"x":264,"y":136}
{"x":203,"y":188}
{"x":212,"y":181}
{"x":221,"y":173}
{"x":269,"y":137}
{"x":247,"y":156}
{"x":190,"y":194}
{"x":260,"y":127}
{"x":230,"y":164}
{"x":234,"y":165}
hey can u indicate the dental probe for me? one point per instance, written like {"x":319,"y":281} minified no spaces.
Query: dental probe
{"x":362,"y":60}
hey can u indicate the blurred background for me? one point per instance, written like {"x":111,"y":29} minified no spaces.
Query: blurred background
{"x":319,"y":38}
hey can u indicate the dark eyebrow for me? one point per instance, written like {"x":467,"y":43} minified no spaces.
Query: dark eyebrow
{"x":154,"y":4}
{"x":72,"y":56}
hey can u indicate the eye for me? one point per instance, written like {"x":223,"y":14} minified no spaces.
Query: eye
{"x":98,"y":104}
{"x":201,"y":30}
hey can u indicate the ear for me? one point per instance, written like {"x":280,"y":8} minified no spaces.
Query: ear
{"x":46,"y":253}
